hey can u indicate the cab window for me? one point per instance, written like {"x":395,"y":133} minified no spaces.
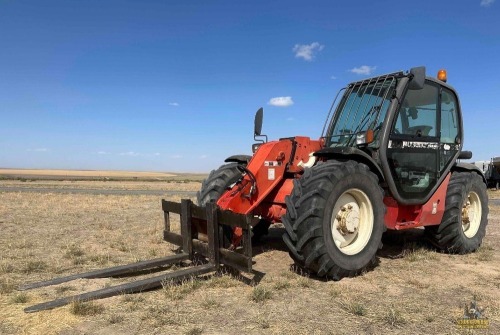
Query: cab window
{"x":417,"y":115}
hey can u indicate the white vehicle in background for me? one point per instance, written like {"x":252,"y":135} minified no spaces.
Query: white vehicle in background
{"x":491,"y":170}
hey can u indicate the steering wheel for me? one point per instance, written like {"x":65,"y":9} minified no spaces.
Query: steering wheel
{"x":419,"y":131}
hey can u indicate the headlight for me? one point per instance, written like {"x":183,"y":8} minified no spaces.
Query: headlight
{"x":364,"y":137}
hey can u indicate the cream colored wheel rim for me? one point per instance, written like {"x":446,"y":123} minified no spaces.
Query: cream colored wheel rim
{"x":471,"y":214}
{"x":352,"y":221}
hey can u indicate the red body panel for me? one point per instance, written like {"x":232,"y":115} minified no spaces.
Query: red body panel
{"x":275,"y":165}
{"x":400,"y":217}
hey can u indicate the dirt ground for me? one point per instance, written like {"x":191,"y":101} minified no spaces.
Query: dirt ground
{"x":413,"y":289}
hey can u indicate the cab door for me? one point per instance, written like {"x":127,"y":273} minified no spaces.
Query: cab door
{"x":414,"y":149}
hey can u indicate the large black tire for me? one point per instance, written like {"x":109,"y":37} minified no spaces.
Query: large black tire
{"x":318,"y":214}
{"x":216,"y":184}
{"x":465,"y":217}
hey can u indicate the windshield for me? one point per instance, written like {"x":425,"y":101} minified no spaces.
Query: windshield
{"x":363,"y":106}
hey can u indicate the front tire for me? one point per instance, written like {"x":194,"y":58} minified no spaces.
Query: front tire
{"x":463,"y":226}
{"x":216,"y":184}
{"x":335,"y":219}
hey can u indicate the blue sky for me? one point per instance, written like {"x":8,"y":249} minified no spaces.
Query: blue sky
{"x":174,"y":85}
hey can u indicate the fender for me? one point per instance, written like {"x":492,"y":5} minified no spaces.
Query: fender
{"x":344,"y":153}
{"x":242,"y":159}
{"x":467,"y":167}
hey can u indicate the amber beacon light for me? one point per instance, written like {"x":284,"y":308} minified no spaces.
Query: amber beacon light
{"x":442,"y":75}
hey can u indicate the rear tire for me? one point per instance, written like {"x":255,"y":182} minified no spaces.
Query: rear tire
{"x":335,"y":219}
{"x":465,"y":218}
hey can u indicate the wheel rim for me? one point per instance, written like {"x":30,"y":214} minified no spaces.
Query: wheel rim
{"x":352,"y":221}
{"x":471,"y":214}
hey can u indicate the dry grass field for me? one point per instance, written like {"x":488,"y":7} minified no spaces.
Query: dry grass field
{"x":413,"y":289}
{"x":28,"y":174}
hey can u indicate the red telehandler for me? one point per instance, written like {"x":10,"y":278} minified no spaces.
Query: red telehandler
{"x":388,"y":158}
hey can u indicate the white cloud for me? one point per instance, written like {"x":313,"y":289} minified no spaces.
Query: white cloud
{"x":129,"y":153}
{"x":307,"y":51}
{"x":203,"y":156}
{"x":290,"y":119}
{"x":175,"y":104}
{"x":281,"y":101}
{"x":156,"y":154}
{"x":176,"y":156}
{"x":333,"y":77}
{"x":102,"y":153}
{"x":486,"y":3}
{"x":363,"y":70}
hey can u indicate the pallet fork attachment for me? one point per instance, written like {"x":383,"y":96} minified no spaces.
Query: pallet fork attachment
{"x":212,"y":250}
{"x":215,"y":219}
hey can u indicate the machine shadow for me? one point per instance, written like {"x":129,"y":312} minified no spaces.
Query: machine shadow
{"x":395,"y":242}
{"x":272,"y":241}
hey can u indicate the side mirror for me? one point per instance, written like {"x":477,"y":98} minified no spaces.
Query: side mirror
{"x":417,"y":79}
{"x":257,"y":130}
{"x":258,"y":122}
